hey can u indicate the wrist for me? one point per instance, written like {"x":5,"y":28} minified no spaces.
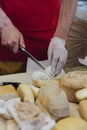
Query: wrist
{"x":60,"y":41}
{"x":61,"y":31}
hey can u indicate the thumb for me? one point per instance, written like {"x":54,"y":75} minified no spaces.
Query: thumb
{"x":22,"y":43}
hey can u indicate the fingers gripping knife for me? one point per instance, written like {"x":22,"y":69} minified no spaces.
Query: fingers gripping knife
{"x":51,"y":75}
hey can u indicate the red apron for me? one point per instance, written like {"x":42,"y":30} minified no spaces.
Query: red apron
{"x":37,"y":20}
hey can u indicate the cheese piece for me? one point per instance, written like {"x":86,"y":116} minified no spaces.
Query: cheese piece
{"x":25,"y":92}
{"x":11,"y":125}
{"x":40,"y":83}
{"x":2,"y":124}
{"x":83,"y":109}
{"x":71,"y":123}
{"x":8,"y":92}
{"x":81,"y":94}
{"x":74,"y":110}
{"x":29,"y":117}
{"x":40,"y":79}
{"x":54,"y":100}
{"x":73,"y":81}
{"x":34,"y":89}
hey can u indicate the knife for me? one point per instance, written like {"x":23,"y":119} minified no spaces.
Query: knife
{"x":35,"y":60}
{"x":32,"y":57}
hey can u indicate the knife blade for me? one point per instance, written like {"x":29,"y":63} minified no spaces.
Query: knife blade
{"x":36,"y":61}
{"x":32,"y":57}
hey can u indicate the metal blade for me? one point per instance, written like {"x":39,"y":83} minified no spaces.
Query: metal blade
{"x":32,"y":57}
{"x":51,"y":75}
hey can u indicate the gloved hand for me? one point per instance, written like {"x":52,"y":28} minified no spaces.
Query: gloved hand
{"x":11,"y":37}
{"x":57,"y":54}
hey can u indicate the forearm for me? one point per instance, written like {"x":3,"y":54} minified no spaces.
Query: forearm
{"x":4,"y":20}
{"x":67,"y":12}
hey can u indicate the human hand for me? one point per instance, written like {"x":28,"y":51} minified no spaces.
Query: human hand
{"x":57,"y":54}
{"x":11,"y":37}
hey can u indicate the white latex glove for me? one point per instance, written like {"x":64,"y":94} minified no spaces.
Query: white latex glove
{"x":57,"y":54}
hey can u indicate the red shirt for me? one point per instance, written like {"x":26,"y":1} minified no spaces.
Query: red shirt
{"x":37,"y":20}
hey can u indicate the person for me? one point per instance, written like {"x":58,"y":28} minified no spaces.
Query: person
{"x":41,"y":27}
